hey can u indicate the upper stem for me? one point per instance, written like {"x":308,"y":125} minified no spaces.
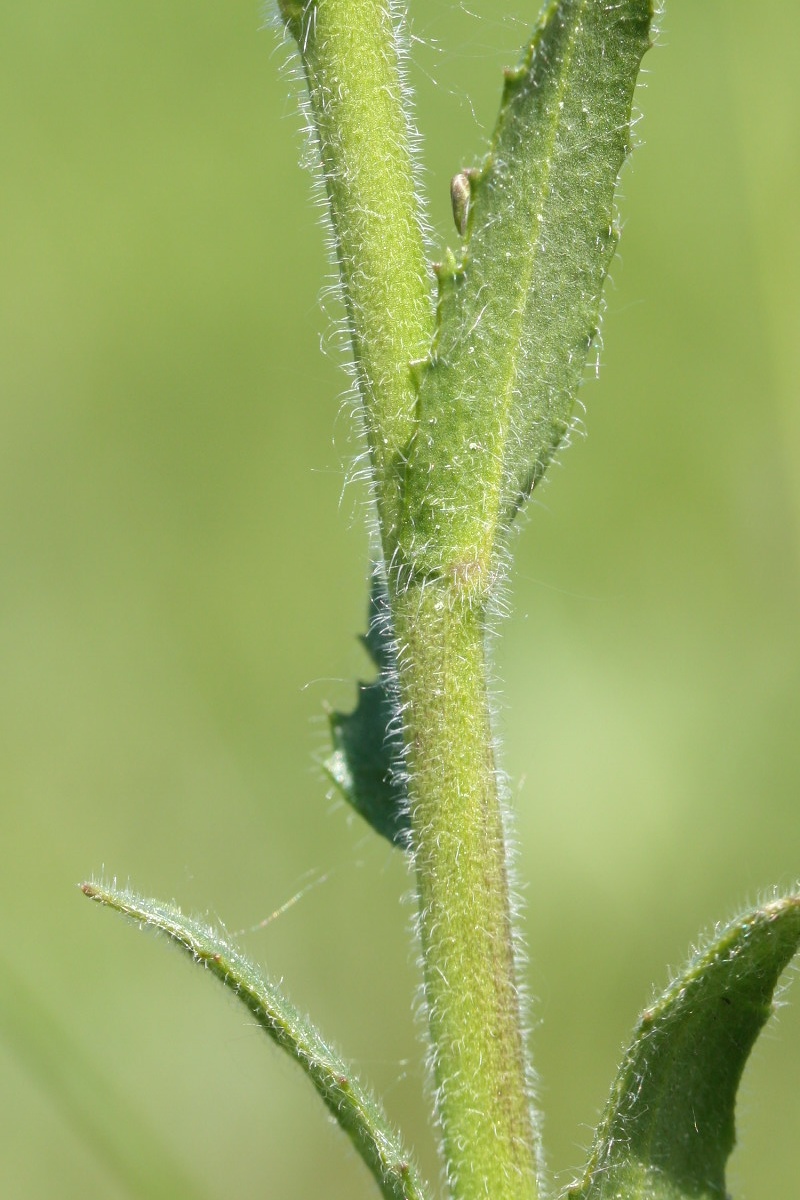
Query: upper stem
{"x":471,"y":989}
{"x":351,"y":60}
{"x":351,"y":55}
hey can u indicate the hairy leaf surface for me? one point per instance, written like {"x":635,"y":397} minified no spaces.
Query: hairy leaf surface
{"x":358,"y":1113}
{"x":519,"y":309}
{"x":669,"y":1126}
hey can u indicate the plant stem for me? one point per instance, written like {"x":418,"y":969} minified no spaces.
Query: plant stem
{"x":352,"y":56}
{"x":465,"y":927}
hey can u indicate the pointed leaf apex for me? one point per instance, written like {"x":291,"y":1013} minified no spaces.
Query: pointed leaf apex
{"x":360,"y":1116}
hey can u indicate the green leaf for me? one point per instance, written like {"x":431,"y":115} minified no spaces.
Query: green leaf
{"x":366,"y":763}
{"x":519,"y":309}
{"x":358,"y":1113}
{"x":668,"y":1128}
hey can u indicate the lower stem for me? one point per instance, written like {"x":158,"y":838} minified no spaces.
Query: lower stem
{"x":471,"y":991}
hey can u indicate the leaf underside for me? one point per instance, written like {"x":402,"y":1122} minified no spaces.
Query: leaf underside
{"x":366,"y":763}
{"x":668,"y":1128}
{"x":355,"y":1109}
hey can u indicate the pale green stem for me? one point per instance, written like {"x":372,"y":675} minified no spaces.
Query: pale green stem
{"x":351,"y":58}
{"x":465,"y":927}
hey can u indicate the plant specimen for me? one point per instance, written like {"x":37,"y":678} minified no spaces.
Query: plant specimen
{"x":467,"y":376}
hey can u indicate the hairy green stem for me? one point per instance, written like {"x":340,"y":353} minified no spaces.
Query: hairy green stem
{"x":352,"y":62}
{"x":456,"y":442}
{"x":471,"y":991}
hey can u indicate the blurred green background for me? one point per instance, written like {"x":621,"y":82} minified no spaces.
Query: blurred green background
{"x":182,"y":579}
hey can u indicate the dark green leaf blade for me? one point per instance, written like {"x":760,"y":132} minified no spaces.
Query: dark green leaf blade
{"x":366,"y":764}
{"x":518,"y":312}
{"x":668,"y":1128}
{"x":355,"y":1109}
{"x":361,"y":764}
